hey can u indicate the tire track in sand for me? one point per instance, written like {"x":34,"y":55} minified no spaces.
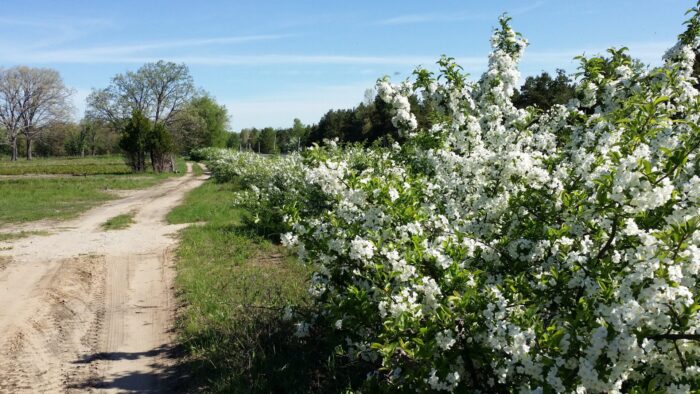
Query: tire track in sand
{"x":89,"y":310}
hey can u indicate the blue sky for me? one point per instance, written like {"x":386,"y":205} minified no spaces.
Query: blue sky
{"x":272,"y":61}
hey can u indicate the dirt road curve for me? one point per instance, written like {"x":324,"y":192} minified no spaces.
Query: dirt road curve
{"x":90,"y":310}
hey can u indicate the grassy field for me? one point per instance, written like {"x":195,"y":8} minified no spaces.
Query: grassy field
{"x":233,"y":285}
{"x":91,"y":165}
{"x":26,"y":197}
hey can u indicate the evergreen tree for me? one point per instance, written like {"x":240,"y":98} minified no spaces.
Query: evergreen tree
{"x":134,"y":140}
{"x":543,"y":91}
{"x":160,"y":146}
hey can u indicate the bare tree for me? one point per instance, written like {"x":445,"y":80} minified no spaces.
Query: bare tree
{"x":44,"y":100}
{"x":158,"y":90}
{"x":11,"y":106}
{"x":127,"y":93}
{"x":171,"y":87}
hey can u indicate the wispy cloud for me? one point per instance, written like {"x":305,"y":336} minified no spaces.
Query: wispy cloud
{"x":58,"y":23}
{"x":116,"y":54}
{"x":54,"y":30}
{"x":526,"y":9}
{"x":649,"y":52}
{"x":171,"y":44}
{"x":129,"y":55}
{"x":452,"y":16}
{"x":429,"y":17}
{"x":44,"y":36}
{"x":153,"y":51}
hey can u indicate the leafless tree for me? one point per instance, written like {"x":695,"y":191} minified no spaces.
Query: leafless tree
{"x":30,"y":99}
{"x":171,"y":87}
{"x":44,"y":99}
{"x":158,"y":90}
{"x":11,"y":106}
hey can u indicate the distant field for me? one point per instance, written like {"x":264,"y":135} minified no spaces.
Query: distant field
{"x":34,"y":198}
{"x":91,"y":165}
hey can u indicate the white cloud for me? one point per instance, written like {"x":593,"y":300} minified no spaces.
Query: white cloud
{"x":426,"y":18}
{"x":648,"y":52}
{"x":183,"y":43}
{"x":118,"y":53}
{"x":55,"y":23}
{"x":103,"y":56}
{"x":55,"y":30}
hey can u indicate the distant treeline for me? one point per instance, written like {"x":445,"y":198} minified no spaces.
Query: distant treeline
{"x":149,"y":113}
{"x":197,"y":120}
{"x":370,"y":121}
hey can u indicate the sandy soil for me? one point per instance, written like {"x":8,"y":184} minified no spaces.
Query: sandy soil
{"x":90,"y":310}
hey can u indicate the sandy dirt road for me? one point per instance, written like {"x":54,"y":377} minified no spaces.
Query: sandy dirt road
{"x":87,"y":310}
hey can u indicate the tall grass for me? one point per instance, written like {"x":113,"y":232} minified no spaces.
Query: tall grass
{"x":233,"y":285}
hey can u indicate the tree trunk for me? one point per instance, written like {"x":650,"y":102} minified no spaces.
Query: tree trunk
{"x":29,"y":149}
{"x":14,"y":149}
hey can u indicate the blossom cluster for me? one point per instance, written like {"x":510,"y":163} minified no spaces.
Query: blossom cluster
{"x":514,"y":250}
{"x":268,"y":184}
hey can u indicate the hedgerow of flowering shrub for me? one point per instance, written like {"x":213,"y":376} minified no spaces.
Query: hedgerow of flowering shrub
{"x":509,"y":250}
{"x":270,"y":185}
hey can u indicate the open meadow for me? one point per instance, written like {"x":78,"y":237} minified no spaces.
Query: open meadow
{"x":62,"y":188}
{"x":90,"y":165}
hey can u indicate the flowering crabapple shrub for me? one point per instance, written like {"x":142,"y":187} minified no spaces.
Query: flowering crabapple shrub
{"x":269,"y":186}
{"x":507,"y":250}
{"x":516,"y":250}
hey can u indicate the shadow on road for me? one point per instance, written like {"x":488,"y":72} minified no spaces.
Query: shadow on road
{"x":164,"y":377}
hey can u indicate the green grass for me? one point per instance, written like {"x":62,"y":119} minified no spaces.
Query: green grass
{"x":91,"y":165}
{"x":20,"y":234}
{"x":119,"y":222}
{"x":211,"y":202}
{"x":27,"y":198}
{"x":234,"y":284}
{"x":180,"y":166}
{"x":30,"y":199}
{"x":197,"y":169}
